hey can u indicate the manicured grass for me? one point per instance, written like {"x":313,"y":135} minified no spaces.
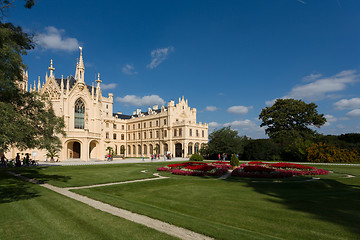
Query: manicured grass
{"x":247,"y":209}
{"x":235,"y":208}
{"x":29,"y":212}
{"x":73,"y":176}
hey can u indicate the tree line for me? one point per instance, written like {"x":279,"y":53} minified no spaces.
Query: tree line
{"x":288,"y":124}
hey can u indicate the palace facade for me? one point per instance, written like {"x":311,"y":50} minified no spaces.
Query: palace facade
{"x":91,"y":126}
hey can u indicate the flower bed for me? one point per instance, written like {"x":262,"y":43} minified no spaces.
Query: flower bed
{"x":275,"y":170}
{"x":197,"y":168}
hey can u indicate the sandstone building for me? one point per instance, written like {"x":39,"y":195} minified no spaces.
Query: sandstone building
{"x":92,"y":127}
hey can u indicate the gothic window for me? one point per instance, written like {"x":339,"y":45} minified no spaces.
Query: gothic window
{"x":150,"y":134}
{"x":164,"y":121}
{"x":114,"y":136}
{"x":107,"y":135}
{"x":197,"y":133}
{"x":157,"y":123}
{"x":144,"y":125}
{"x":150,"y":124}
{"x":79,"y":114}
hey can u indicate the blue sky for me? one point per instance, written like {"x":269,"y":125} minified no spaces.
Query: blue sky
{"x":230,"y":59}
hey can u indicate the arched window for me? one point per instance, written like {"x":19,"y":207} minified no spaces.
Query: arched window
{"x":79,"y":114}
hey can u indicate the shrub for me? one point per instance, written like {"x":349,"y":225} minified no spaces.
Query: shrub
{"x":329,"y":153}
{"x":234,"y":161}
{"x":196,"y":157}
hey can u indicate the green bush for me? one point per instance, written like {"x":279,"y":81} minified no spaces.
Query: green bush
{"x":234,"y":161}
{"x":196,"y":158}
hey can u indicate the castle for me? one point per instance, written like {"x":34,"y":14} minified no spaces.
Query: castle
{"x":91,"y":126}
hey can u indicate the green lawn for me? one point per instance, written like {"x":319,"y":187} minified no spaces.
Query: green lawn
{"x":29,"y":211}
{"x":74,"y":176}
{"x":235,"y":208}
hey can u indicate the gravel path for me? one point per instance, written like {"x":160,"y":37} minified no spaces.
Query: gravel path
{"x":158,"y":225}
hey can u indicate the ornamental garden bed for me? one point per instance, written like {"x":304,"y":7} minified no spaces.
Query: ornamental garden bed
{"x":275,"y":170}
{"x":197,"y":168}
{"x":250,"y":170}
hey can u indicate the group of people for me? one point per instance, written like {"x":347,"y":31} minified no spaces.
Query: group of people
{"x":26,"y":161}
{"x":224,"y":156}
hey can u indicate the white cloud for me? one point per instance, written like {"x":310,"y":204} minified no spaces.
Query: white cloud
{"x":241,"y":123}
{"x":311,"y":77}
{"x":270,"y":103}
{"x":129,"y":69}
{"x":105,"y":86}
{"x":329,"y":120}
{"x":210,"y":108}
{"x":347,"y":104}
{"x":239,"y":109}
{"x":158,"y":56}
{"x":321,"y":88}
{"x":53,"y":39}
{"x":214,"y":124}
{"x":133,"y":100}
{"x":354,"y":113}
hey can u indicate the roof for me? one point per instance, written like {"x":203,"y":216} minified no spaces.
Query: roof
{"x":72,"y":82}
{"x":121,"y":116}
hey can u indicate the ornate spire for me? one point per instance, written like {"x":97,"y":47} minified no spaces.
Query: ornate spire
{"x":51,"y":68}
{"x":80,"y":68}
{"x":39,"y":84}
{"x":62,"y":84}
{"x":98,"y":81}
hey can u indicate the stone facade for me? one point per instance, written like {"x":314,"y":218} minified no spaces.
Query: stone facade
{"x":91,"y":126}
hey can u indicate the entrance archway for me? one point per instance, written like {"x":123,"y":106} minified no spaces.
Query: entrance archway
{"x":93,"y":149}
{"x":178,"y":150}
{"x":74,"y":149}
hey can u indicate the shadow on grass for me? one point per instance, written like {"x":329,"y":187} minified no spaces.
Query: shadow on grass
{"x":14,"y":189}
{"x":36,"y":173}
{"x":326,"y":199}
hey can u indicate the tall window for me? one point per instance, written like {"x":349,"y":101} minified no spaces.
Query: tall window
{"x":79,"y":114}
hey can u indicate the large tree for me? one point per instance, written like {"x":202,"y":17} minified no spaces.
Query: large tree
{"x":226,"y":141}
{"x":291,"y":118}
{"x":27,"y":120}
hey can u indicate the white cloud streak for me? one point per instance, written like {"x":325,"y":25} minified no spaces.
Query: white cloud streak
{"x":129,"y":69}
{"x":347,"y":104}
{"x":214,"y":124}
{"x":158,"y":56}
{"x":241,"y":123}
{"x":133,"y":100}
{"x":210,"y":108}
{"x":354,"y":113}
{"x":105,"y":86}
{"x":320,"y":88}
{"x":239,"y":109}
{"x":53,"y":39}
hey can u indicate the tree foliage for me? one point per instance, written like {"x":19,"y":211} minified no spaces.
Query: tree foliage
{"x":226,"y":141}
{"x":27,"y":119}
{"x":330,"y":153}
{"x":288,"y":118}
